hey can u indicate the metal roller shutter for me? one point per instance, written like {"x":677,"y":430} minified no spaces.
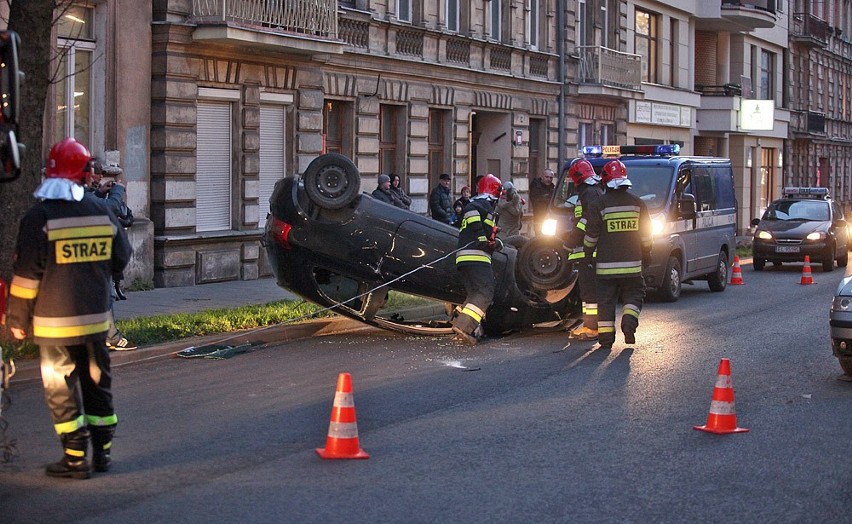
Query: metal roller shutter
{"x":213,"y":172}
{"x":272,"y":157}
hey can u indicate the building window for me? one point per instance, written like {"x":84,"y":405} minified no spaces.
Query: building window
{"x":389,"y":128}
{"x":766,"y":89}
{"x":273,"y":158}
{"x":437,"y":147}
{"x":585,"y":135}
{"x":73,"y":89}
{"x":608,"y":134}
{"x":533,"y":25}
{"x":646,"y":44}
{"x":213,"y":166}
{"x":496,"y":20}
{"x":453,"y":15}
{"x":583,"y":21}
{"x":337,"y":128}
{"x":403,"y":10}
{"x":673,"y":51}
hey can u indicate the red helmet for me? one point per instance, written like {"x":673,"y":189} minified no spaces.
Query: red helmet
{"x":580,"y":171}
{"x":615,"y":174}
{"x":490,"y":185}
{"x":68,"y":159}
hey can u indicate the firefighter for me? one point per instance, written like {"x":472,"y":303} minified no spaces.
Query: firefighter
{"x":589,"y":189}
{"x":618,"y":228}
{"x":477,"y":240}
{"x":67,"y":249}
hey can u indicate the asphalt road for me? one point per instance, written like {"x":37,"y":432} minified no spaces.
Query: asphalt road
{"x":518,"y":429}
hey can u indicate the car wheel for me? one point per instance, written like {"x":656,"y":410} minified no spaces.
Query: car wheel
{"x":758,"y":263}
{"x":718,"y":280}
{"x":670,"y":288}
{"x":846,"y":364}
{"x":516,"y":241}
{"x":828,"y":262}
{"x":844,"y":259}
{"x":332,"y":181}
{"x":542,"y":264}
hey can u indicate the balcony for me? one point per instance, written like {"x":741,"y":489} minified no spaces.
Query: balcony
{"x":807,"y":124}
{"x":808,"y":30}
{"x":607,"y":72}
{"x":750,"y":14}
{"x":300,"y":26}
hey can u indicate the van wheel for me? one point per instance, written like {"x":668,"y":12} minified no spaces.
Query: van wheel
{"x":718,"y":280}
{"x":846,"y":364}
{"x":670,"y":288}
{"x":758,"y":263}
{"x":828,"y":262}
{"x":843,"y":260}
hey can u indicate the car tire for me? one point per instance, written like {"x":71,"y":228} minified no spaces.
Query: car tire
{"x":718,"y":280}
{"x":670,"y":288}
{"x":844,"y":259}
{"x":758,"y":263}
{"x":846,"y":364}
{"x":543,"y":265}
{"x":332,"y":181}
{"x":516,"y":241}
{"x":828,"y":262}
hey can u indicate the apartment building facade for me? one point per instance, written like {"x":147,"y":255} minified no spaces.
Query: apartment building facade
{"x":206,"y":103}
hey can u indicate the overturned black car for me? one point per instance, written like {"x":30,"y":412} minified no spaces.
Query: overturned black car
{"x":342,"y":249}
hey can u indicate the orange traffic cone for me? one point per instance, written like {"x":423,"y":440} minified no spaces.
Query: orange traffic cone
{"x":722,"y":419}
{"x":737,"y":273}
{"x":807,"y":277}
{"x":342,"y":441}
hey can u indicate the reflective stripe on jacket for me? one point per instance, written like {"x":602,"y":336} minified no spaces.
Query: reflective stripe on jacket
{"x":477,"y":229}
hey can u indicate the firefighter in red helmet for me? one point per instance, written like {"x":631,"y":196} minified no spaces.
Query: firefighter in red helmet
{"x":589,"y":190}
{"x":477,"y":240}
{"x":619,"y":228}
{"x":67,"y":249}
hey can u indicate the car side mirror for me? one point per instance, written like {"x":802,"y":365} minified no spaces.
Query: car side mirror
{"x":755,"y":221}
{"x":10,"y":85}
{"x":686,"y":206}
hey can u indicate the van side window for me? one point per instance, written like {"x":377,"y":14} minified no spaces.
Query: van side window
{"x":703,"y":189}
{"x":724,"y":187}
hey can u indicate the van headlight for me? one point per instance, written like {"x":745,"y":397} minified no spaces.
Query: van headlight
{"x":658,"y":224}
{"x":841,"y":303}
{"x":548,"y":227}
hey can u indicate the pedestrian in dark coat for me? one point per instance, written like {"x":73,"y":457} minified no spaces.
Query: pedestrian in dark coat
{"x":383,"y":192}
{"x":441,"y":200}
{"x":396,"y":189}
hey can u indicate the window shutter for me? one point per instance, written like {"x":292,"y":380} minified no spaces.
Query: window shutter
{"x":272,"y":158}
{"x":213,"y":172}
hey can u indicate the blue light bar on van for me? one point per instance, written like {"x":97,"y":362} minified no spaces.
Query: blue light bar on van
{"x":658,"y":150}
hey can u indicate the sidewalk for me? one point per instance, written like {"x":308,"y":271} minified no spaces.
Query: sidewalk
{"x":192,"y":299}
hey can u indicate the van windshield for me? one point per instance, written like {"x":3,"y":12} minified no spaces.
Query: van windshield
{"x":652,"y":183}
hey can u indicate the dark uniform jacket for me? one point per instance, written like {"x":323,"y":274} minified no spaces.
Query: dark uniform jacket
{"x":477,"y":229}
{"x":588,"y":195}
{"x":540,"y":195}
{"x":65,"y":255}
{"x":440,"y":204}
{"x":619,"y":226}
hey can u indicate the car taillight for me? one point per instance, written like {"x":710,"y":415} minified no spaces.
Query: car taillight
{"x":280,"y":231}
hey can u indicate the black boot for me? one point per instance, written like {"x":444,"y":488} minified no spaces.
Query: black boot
{"x":101,"y":447}
{"x":73,"y":464}
{"x":119,"y":294}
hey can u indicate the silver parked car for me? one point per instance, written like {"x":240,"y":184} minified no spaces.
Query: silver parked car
{"x":841,"y":324}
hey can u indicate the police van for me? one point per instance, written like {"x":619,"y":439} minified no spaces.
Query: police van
{"x":692,"y":205}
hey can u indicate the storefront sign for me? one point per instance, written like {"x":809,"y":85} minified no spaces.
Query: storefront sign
{"x":757,"y":115}
{"x":663,"y":114}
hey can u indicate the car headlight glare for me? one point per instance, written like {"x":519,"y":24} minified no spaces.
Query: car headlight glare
{"x":816,"y":235}
{"x":548,"y":227}
{"x":657,"y":225}
{"x":841,"y":303}
{"x":764,"y":235}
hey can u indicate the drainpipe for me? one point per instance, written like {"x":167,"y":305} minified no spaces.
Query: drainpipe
{"x":560,"y":50}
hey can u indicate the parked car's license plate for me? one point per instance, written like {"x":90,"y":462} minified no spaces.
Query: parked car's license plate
{"x":786,"y":249}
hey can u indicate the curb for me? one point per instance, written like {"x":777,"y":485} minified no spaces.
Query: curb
{"x":29,"y":370}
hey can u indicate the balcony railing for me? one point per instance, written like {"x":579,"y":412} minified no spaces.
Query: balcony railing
{"x":722,"y":90}
{"x":809,"y":29}
{"x":308,"y":17}
{"x":601,"y":65}
{"x":762,"y":5}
